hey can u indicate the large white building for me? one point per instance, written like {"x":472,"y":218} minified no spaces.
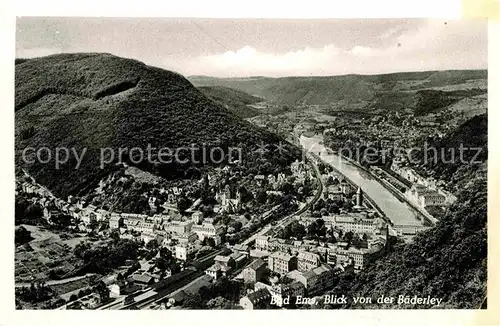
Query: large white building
{"x":423,"y":196}
{"x":184,"y":250}
{"x":262,"y":243}
{"x":207,"y":230}
{"x":178,"y":227}
{"x":356,"y":223}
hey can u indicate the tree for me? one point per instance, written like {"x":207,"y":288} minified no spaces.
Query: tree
{"x":93,"y":225}
{"x":183,"y":204}
{"x":36,"y":292}
{"x":103,"y":291}
{"x":219,"y":303}
{"x":317,"y":228}
{"x":287,"y":188}
{"x":298,"y":230}
{"x":348,"y":237}
{"x":237,"y":225}
{"x":193,"y":301}
{"x":152,"y":244}
{"x":165,"y":253}
{"x":61,"y":221}
{"x":22,"y":235}
{"x":246,"y":195}
{"x":81,"y":248}
{"x":115,"y":235}
{"x":226,"y":219}
{"x":261,"y":197}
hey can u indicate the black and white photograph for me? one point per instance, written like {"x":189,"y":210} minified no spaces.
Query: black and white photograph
{"x":250,"y":164}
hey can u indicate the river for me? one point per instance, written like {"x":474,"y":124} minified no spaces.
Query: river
{"x":399,"y":212}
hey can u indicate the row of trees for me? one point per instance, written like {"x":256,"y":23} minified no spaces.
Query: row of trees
{"x":105,"y":258}
{"x":218,"y":295}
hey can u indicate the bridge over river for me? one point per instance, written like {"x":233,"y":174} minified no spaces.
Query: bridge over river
{"x":398,"y":211}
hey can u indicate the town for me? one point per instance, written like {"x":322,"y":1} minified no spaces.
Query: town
{"x":327,"y":229}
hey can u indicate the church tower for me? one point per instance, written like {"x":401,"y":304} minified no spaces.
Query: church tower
{"x":359,"y":197}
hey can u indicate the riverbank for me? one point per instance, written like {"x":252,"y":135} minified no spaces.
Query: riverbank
{"x":398,"y":211}
{"x":427,"y":218}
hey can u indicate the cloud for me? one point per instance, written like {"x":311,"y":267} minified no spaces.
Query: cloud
{"x":390,"y":32}
{"x":249,"y":61}
{"x":435,"y":45}
{"x":36,"y":52}
{"x":364,"y":51}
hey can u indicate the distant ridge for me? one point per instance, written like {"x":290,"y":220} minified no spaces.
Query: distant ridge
{"x":362,"y":91}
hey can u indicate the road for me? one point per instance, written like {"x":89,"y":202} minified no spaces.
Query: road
{"x":57,"y":282}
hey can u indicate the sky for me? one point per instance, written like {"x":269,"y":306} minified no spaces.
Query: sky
{"x":266,"y":47}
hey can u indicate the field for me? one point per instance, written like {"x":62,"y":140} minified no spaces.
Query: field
{"x":45,"y":253}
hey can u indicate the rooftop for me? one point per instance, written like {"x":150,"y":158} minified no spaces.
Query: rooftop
{"x":281,"y":255}
{"x":256,"y":264}
{"x":224,"y":259}
{"x":142,"y":278}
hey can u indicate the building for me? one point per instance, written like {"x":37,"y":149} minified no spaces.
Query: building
{"x":179,"y":227}
{"x":148,"y":236}
{"x":315,"y":280}
{"x":158,"y":219}
{"x":361,"y":256}
{"x":282,"y":263}
{"x":184,"y":250}
{"x":207,"y":230}
{"x":197,"y":217}
{"x":221,"y":267}
{"x":241,"y":248}
{"x":143,"y":227}
{"x":186,"y":237}
{"x":359,"y":197}
{"x":226,"y":261}
{"x":153,"y":204}
{"x":142,"y":279}
{"x":88,"y":217}
{"x":282,"y":294}
{"x":307,"y":260}
{"x":254,"y":271}
{"x":262,"y":243}
{"x":239,"y":258}
{"x":102,"y":214}
{"x":334,"y":192}
{"x":257,"y":299}
{"x":356,"y":223}
{"x":424,"y":197}
{"x":115,"y":221}
{"x":271,"y":179}
{"x":214,"y":271}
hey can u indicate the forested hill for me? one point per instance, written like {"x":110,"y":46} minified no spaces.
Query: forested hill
{"x":448,"y":261}
{"x":449,"y":165}
{"x":395,"y":91}
{"x":234,"y":100}
{"x":96,"y":101}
